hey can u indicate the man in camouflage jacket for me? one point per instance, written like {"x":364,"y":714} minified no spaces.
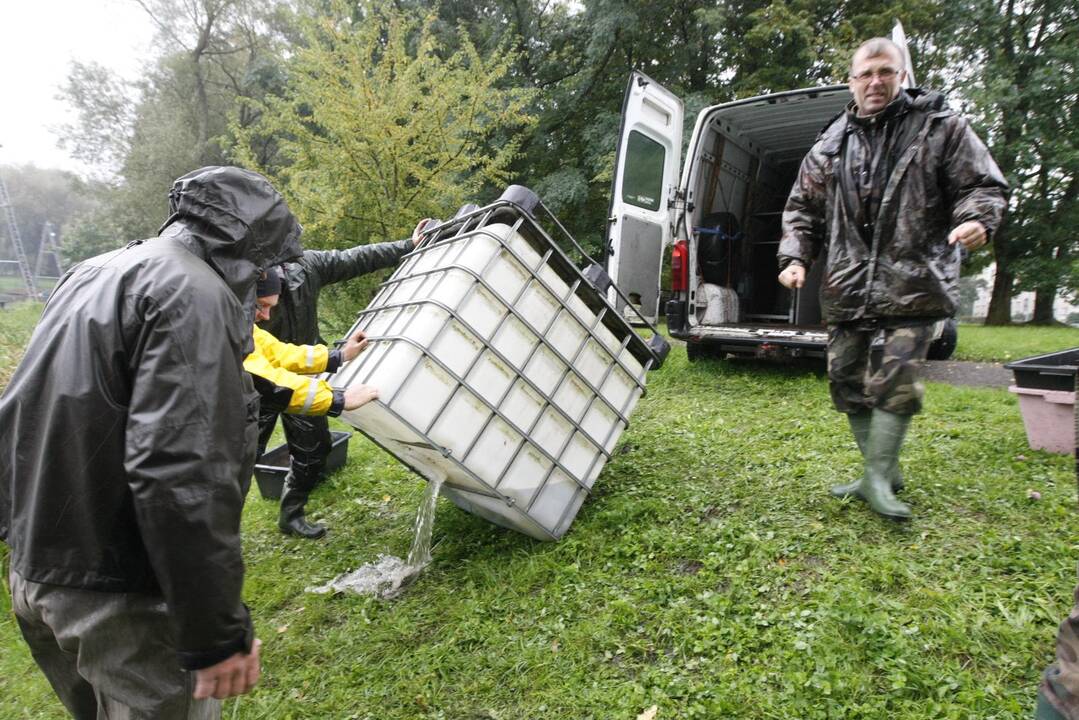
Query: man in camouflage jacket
{"x":887,"y":195}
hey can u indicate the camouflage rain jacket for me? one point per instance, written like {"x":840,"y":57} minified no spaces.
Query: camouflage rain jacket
{"x":883,"y":226}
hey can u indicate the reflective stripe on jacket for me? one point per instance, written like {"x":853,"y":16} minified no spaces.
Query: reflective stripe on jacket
{"x":292,"y":366}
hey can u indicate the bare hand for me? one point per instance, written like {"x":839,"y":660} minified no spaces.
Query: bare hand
{"x":970,"y":234}
{"x":358,"y":395}
{"x":353,"y":346}
{"x":235,"y":675}
{"x":417,"y":234}
{"x":793,"y":277}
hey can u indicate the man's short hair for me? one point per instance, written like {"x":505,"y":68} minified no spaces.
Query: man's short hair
{"x":877,"y":46}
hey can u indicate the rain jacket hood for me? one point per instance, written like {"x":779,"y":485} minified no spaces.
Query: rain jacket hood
{"x":234,"y":220}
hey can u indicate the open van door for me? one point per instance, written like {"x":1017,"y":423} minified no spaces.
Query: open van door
{"x":645,"y":175}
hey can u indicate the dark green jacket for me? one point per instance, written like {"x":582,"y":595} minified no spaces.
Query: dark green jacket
{"x":295,"y":319}
{"x":898,"y":263}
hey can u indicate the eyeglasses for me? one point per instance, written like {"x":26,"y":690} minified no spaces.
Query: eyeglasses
{"x":886,"y":74}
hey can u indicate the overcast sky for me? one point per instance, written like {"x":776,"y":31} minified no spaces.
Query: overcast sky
{"x":38,"y":41}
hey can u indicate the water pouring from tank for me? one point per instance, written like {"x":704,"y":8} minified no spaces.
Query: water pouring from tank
{"x":388,"y":576}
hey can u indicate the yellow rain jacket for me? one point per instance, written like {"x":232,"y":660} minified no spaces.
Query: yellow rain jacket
{"x":283,"y":373}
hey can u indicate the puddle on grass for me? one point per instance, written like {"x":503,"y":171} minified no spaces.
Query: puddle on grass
{"x":388,"y":576}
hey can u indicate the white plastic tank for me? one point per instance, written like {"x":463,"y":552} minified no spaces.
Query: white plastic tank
{"x":501,"y":369}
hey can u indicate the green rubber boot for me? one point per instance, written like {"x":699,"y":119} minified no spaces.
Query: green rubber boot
{"x":859,"y":427}
{"x":1045,"y":711}
{"x":886,"y":433}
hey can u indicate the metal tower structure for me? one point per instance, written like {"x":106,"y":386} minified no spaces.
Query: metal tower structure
{"x":48,"y":249}
{"x":16,"y":241}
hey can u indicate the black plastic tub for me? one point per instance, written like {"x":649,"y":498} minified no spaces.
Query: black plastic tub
{"x":1052,"y":371}
{"x":272,"y":467}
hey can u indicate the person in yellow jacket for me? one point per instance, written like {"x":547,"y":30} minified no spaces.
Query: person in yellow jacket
{"x":284,"y":375}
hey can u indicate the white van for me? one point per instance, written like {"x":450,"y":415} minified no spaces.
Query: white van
{"x":720,"y":218}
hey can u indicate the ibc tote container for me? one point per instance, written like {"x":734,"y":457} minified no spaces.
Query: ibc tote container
{"x":501,"y":368}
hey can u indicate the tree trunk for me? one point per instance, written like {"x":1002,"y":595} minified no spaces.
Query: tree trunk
{"x":1043,"y":306}
{"x":1000,"y":301}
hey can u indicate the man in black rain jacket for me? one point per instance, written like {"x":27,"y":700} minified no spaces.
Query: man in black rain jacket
{"x":127,"y":441}
{"x":295,"y":320}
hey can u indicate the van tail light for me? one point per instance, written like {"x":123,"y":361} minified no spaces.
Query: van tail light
{"x":680,"y":267}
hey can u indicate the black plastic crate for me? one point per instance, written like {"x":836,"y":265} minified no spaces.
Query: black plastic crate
{"x":1052,"y":371}
{"x":272,"y":467}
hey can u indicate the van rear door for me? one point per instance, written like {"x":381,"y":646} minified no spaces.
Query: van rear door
{"x":645,"y":175}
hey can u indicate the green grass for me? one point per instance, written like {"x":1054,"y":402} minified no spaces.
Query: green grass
{"x":710,"y":574}
{"x":1004,"y":344}
{"x":15,"y":285}
{"x":16,"y":323}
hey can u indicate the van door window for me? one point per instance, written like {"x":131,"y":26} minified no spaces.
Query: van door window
{"x":643,"y":185}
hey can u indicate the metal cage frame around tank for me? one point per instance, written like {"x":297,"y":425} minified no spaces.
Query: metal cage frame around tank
{"x":651,"y":353}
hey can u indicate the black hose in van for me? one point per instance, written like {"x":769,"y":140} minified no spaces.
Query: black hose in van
{"x":719,"y":245}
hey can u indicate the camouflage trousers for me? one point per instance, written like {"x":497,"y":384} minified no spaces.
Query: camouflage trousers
{"x":1060,"y":683}
{"x":894,"y":385}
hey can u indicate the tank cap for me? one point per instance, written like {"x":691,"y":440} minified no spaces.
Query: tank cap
{"x":660,"y":349}
{"x":522,"y":197}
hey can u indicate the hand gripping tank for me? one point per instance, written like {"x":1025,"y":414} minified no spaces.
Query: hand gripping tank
{"x":500,"y":368}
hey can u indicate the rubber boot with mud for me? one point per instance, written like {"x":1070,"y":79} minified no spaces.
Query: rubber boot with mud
{"x":859,"y":428}
{"x":291,"y":521}
{"x":886,"y":433}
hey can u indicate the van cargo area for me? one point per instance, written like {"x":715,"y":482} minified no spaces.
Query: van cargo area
{"x":742,"y":162}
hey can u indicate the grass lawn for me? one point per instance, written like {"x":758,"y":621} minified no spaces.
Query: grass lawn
{"x":16,"y":323}
{"x":15,"y":285}
{"x":709,"y":575}
{"x":1004,"y":344}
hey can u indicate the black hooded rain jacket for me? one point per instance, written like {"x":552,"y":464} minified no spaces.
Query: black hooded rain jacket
{"x":127,"y":436}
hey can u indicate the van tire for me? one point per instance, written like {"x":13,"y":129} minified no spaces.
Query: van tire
{"x":943,"y":347}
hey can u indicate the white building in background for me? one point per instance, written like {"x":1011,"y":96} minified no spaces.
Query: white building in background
{"x":1022,"y":304}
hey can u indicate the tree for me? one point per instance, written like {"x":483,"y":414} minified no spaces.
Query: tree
{"x":91,"y":233}
{"x":380,"y":126}
{"x":969,"y":288}
{"x":104,"y":106}
{"x":578,"y":56}
{"x":377,"y":130}
{"x":1020,"y":76}
{"x":40,"y":195}
{"x":143,"y":135}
